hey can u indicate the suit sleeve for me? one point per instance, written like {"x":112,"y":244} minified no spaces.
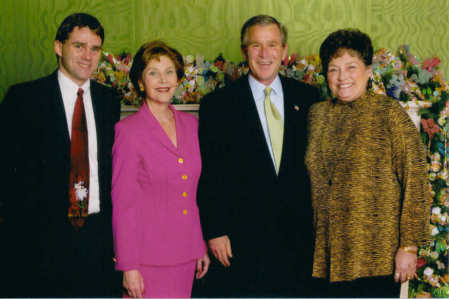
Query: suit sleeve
{"x":13,"y":217}
{"x":125,"y":197}
{"x":212,"y":199}
{"x":11,"y":133}
{"x":115,"y":108}
{"x":410,"y":163}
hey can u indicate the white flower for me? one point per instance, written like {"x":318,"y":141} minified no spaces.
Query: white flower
{"x":434,"y":255}
{"x":436,"y":210}
{"x":436,"y":157}
{"x":428,"y":271}
{"x":444,"y":174}
{"x":440,"y":265}
{"x":199,"y":60}
{"x":189,"y":59}
{"x":190,"y":70}
{"x":435,"y":231}
{"x":80,"y":191}
{"x":435,"y":166}
{"x":442,"y":120}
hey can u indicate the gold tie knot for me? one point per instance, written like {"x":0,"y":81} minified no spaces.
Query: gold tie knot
{"x":267,"y":91}
{"x":270,"y":105}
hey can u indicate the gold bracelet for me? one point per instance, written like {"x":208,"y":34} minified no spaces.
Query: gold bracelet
{"x":409,"y":249}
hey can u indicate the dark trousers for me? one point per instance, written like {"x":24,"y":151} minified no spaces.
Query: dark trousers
{"x":367,"y":287}
{"x":252,"y":279}
{"x":77,"y":264}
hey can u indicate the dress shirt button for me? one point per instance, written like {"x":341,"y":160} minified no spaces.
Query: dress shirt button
{"x":184,"y":212}
{"x":180,"y":160}
{"x":184,"y":194}
{"x":184,"y":177}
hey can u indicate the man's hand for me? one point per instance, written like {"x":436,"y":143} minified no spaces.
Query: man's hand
{"x":221,"y":249}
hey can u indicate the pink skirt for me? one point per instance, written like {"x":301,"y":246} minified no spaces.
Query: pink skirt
{"x":167,"y":281}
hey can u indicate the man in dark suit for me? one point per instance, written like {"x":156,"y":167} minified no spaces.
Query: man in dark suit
{"x":57,"y":136}
{"x":254,"y":191}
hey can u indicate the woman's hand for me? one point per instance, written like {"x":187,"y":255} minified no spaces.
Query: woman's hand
{"x":202,"y":265}
{"x":405,"y":264}
{"x":133,"y":283}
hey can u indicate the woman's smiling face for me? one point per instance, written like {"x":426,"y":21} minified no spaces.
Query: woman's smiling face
{"x":348,"y":76}
{"x":159,"y":80}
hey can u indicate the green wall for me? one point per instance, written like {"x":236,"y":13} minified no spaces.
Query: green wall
{"x":208,"y":27}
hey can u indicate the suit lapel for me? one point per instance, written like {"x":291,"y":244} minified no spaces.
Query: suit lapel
{"x":159,"y":133}
{"x":99,"y":110}
{"x":251,"y":119}
{"x":58,"y":111}
{"x":288,"y":130}
{"x":293,"y":111}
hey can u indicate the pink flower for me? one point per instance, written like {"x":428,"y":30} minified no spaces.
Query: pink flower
{"x":430,"y":127}
{"x":111,"y":59}
{"x":126,"y":60}
{"x":420,"y":262}
{"x":429,"y":64}
{"x":293,"y":58}
{"x":219,"y":64}
{"x":289,"y":60}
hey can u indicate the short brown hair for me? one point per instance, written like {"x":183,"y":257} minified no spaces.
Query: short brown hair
{"x":79,"y":20}
{"x":149,"y":51}
{"x":261,"y":20}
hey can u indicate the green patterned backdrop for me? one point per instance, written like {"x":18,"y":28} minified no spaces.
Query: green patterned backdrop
{"x":208,"y":27}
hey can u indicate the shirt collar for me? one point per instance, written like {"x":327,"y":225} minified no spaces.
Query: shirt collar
{"x":257,"y":88}
{"x":68,"y":85}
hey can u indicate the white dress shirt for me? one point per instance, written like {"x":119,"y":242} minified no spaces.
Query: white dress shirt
{"x":276,"y":97}
{"x":69,"y":94}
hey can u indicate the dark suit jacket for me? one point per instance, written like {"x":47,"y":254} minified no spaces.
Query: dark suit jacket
{"x":36,"y":159}
{"x":267,"y":217}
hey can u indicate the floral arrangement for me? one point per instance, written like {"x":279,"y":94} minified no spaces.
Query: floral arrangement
{"x":113,"y":70}
{"x":401,"y":76}
{"x":414,"y":82}
{"x":201,"y":76}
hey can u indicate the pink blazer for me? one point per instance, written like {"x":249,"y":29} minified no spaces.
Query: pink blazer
{"x":155,"y":215}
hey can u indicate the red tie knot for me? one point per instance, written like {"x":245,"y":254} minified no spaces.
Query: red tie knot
{"x":80,"y":92}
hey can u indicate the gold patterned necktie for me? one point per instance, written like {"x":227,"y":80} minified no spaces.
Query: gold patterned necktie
{"x":275,"y":127}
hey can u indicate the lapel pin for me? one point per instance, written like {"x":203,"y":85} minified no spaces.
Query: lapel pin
{"x":296,"y":107}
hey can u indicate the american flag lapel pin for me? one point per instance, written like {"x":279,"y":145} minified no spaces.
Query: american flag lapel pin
{"x":296,"y":107}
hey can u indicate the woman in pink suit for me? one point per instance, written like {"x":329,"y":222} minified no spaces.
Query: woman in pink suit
{"x":156,"y":167}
